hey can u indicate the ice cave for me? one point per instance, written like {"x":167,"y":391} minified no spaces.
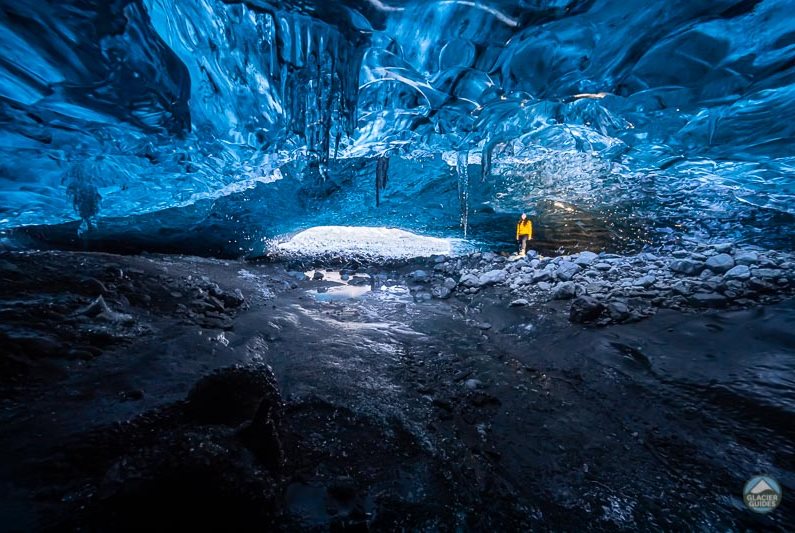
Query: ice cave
{"x":259,"y":269}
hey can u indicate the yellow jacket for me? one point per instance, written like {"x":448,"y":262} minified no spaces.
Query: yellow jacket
{"x":524,"y":227}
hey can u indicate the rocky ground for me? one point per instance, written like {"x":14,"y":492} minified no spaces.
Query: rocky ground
{"x":474,"y":392}
{"x":610,"y":288}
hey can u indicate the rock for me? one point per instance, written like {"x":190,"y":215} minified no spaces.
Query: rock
{"x":645,"y":281}
{"x":449,"y":283}
{"x":585,"y":258}
{"x":543,"y":275}
{"x":423,"y":296}
{"x":492,"y":277}
{"x":521,"y":302}
{"x":420,"y":276}
{"x":687,"y":266}
{"x":469,"y":280}
{"x":131,"y":395}
{"x":761,"y":285}
{"x":720,"y":263}
{"x":746,"y":258}
{"x":723,"y":247}
{"x":618,"y":310}
{"x":473,"y":384}
{"x":489,"y":256}
{"x":708,"y":299}
{"x":585,"y":309}
{"x":261,"y":436}
{"x":741,"y":272}
{"x":441,"y":292}
{"x":767,"y":273}
{"x":99,"y":309}
{"x":300,"y":276}
{"x":564,"y":291}
{"x":359,"y":280}
{"x":544,"y":286}
{"x":680,"y":287}
{"x":566,"y":270}
{"x":231,"y":395}
{"x":442,"y":404}
{"x":603,"y":266}
{"x":234,"y":298}
{"x":318,"y":275}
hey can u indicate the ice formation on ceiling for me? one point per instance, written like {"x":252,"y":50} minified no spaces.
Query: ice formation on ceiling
{"x":250,"y":118}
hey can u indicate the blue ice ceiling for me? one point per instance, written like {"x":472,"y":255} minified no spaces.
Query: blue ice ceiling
{"x":251,"y":118}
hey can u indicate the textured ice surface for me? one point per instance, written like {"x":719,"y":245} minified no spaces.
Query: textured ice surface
{"x":248,"y":119}
{"x":366,"y":242}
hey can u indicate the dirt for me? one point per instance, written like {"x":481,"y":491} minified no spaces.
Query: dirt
{"x":226,"y":394}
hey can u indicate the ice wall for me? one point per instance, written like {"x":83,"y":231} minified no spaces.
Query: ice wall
{"x":256,"y":117}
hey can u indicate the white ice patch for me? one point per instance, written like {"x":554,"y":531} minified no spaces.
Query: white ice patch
{"x":372,"y":242}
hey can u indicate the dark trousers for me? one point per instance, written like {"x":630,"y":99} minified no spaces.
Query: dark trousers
{"x":524,"y":241}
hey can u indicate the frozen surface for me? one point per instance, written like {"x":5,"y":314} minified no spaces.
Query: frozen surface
{"x":248,"y":119}
{"x":371,"y":243}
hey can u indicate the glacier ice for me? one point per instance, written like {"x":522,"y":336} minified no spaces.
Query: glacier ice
{"x":216,"y":125}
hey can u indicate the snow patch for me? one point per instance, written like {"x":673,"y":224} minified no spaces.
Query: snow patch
{"x":370,"y":242}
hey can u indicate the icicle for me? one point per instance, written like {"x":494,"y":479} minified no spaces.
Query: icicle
{"x":486,"y":162}
{"x":462,"y":169}
{"x":381,"y":169}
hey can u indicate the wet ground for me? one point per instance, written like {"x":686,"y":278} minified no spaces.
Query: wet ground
{"x":355,"y":406}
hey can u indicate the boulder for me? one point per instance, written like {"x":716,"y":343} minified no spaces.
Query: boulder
{"x":761,"y":285}
{"x":688,"y":267}
{"x":585,"y":258}
{"x":420,"y":276}
{"x":740,"y":272}
{"x":746,"y":258}
{"x":585,"y":309}
{"x":767,"y":273}
{"x":449,"y":283}
{"x":708,"y":299}
{"x":300,"y":276}
{"x":566,"y":270}
{"x":618,"y":311}
{"x":469,"y":280}
{"x":520,"y":302}
{"x":720,"y":263}
{"x":441,"y":292}
{"x":492,"y":277}
{"x":564,"y":291}
{"x":230,"y":396}
{"x":680,"y":288}
{"x":645,"y":281}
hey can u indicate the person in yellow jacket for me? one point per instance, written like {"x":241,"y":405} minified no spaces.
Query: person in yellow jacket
{"x":524,"y":233}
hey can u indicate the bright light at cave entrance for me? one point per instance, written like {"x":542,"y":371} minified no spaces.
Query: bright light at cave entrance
{"x":368,"y":242}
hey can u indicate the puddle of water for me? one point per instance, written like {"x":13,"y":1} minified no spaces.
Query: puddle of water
{"x":340,"y":292}
{"x":345,"y":291}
